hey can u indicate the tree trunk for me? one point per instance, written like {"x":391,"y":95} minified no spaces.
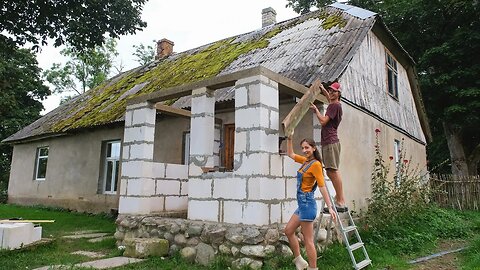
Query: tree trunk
{"x":473,"y":161}
{"x":457,"y":154}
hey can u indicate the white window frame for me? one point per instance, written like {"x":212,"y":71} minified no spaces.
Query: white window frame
{"x":392,"y":66}
{"x":113,"y":159}
{"x":37,"y":163}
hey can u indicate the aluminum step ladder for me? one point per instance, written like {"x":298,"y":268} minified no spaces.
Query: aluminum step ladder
{"x":345,"y":230}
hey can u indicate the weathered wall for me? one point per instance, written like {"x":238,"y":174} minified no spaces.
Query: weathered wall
{"x":73,"y":172}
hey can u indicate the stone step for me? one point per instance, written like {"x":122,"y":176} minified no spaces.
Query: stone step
{"x":88,"y":235}
{"x":98,"y":264}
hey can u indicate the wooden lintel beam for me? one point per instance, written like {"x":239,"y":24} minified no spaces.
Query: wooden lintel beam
{"x":168,"y":110}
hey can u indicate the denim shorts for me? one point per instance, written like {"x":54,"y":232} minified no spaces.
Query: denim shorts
{"x":307,"y":206}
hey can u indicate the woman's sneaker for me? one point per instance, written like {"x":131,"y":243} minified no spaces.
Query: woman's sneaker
{"x":300,"y":263}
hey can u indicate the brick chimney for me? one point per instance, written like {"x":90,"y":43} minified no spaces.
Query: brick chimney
{"x":268,"y":16}
{"x":164,"y":48}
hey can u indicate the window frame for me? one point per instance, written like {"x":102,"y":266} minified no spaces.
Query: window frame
{"x":391,"y":66}
{"x":38,"y":156}
{"x":115,"y":168}
{"x":186,"y":147}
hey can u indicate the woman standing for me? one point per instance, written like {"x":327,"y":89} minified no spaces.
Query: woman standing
{"x":309,"y":176}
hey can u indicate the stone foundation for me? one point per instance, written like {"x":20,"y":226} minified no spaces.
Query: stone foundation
{"x":202,"y":241}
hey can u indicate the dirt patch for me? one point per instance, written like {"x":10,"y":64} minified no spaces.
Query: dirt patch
{"x":445,"y":262}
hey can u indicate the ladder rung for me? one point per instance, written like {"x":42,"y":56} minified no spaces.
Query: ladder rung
{"x":363,"y":264}
{"x":349,"y":228}
{"x":356,"y":246}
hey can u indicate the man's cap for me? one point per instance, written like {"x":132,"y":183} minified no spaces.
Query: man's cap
{"x":335,"y":86}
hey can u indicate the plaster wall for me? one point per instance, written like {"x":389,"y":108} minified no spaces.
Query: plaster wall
{"x":73,"y":172}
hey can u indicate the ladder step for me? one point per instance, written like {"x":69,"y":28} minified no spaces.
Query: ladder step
{"x":349,"y":228}
{"x":356,"y":246}
{"x":363,"y":264}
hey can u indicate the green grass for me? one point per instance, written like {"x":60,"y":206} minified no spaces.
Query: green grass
{"x":390,"y":248}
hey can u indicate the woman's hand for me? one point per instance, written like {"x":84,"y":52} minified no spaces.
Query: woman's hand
{"x":332,"y":213}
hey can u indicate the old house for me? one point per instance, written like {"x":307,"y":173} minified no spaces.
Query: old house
{"x":197,"y":132}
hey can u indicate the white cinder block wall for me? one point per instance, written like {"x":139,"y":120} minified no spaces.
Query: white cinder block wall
{"x":147,"y":186}
{"x":262,"y":187}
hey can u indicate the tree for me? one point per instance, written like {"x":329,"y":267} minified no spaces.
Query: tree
{"x":144,"y":54}
{"x":21,"y":88}
{"x":443,"y":37}
{"x":89,"y":68}
{"x":304,"y":6}
{"x":82,"y":24}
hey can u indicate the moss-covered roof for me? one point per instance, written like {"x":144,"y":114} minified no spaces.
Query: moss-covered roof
{"x":318,"y":44}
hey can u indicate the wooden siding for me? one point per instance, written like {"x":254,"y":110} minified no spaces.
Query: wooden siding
{"x":364,"y":83}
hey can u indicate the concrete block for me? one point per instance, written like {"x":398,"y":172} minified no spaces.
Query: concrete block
{"x":134,"y":205}
{"x":145,"y":247}
{"x":200,"y":188}
{"x":274,"y":120}
{"x":203,"y":104}
{"x":183,"y":188}
{"x":240,"y":142}
{"x":252,"y":117}
{"x":157,"y":204}
{"x":36,"y":234}
{"x":291,"y":187}
{"x":141,"y":187}
{"x":255,"y":78}
{"x":266,"y":189}
{"x":276,"y":165}
{"x":176,"y":171}
{"x":217,"y":133}
{"x":253,"y":164}
{"x":276,"y":213}
{"x":137,"y":169}
{"x":126,"y":152}
{"x":15,"y":235}
{"x":230,"y":188}
{"x":136,"y":134}
{"x":201,"y":136}
{"x":176,"y":203}
{"x":138,"y":105}
{"x":263,"y":94}
{"x":123,"y":186}
{"x":158,"y":169}
{"x":128,"y":118}
{"x":288,"y":208}
{"x":194,"y":170}
{"x":141,"y":151}
{"x":251,"y":213}
{"x":168,"y":187}
{"x":216,"y":160}
{"x":241,"y":97}
{"x":317,"y":137}
{"x":261,"y":141}
{"x":290,"y":167}
{"x":203,"y":210}
{"x":144,"y":116}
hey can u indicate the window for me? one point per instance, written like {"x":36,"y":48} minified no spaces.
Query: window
{"x":396,"y":156}
{"x":186,"y":148}
{"x":112,"y":162}
{"x":41,"y":163}
{"x":392,"y":76}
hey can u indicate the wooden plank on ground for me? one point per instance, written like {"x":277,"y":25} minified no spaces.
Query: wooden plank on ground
{"x":299,"y":110}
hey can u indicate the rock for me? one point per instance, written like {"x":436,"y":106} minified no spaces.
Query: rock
{"x":217,"y":236}
{"x":235,"y":251}
{"x":322,"y":235}
{"x":142,"y":248}
{"x":168,"y":236}
{"x":234,"y":235}
{"x":119,"y":235}
{"x":194,"y":230}
{"x":224,"y":249}
{"x":272,"y":236}
{"x":283,"y":239}
{"x":252,"y":236}
{"x":192,"y":242}
{"x":286,"y":251}
{"x":173,"y":249}
{"x":257,"y":251}
{"x":174,"y":229}
{"x":153,"y":233}
{"x":205,"y":254}
{"x":247,"y":262}
{"x":188,"y":253}
{"x":180,"y":240}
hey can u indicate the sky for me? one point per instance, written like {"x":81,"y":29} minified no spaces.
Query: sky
{"x":189,"y":24}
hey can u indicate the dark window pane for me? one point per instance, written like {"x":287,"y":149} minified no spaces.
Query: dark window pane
{"x":43,"y":151}
{"x":42,"y":168}
{"x":108,"y":178}
{"x":116,"y":176}
{"x":390,"y":84}
{"x":109,"y":149}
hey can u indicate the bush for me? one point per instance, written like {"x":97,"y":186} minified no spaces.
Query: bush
{"x":400,"y":215}
{"x":3,"y":191}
